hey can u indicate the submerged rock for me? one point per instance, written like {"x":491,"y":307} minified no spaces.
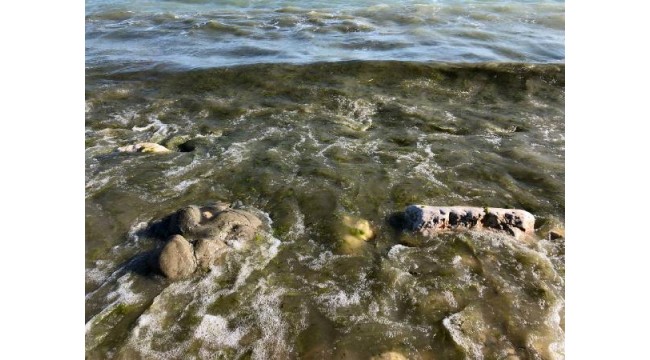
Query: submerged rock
{"x":428,"y":220}
{"x":354,"y":234}
{"x":390,"y":355}
{"x":144,"y":148}
{"x":198,"y":237}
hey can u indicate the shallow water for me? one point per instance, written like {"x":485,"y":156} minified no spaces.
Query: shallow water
{"x":307,"y":145}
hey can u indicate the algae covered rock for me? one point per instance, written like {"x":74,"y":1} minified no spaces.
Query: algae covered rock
{"x":389,"y":355}
{"x":355,"y":232}
{"x":177,"y":259}
{"x":144,"y":148}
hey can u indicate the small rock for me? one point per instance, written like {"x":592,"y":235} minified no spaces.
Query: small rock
{"x":390,"y":355}
{"x":144,"y":148}
{"x":177,"y":259}
{"x":214,"y":229}
{"x":355,"y":233}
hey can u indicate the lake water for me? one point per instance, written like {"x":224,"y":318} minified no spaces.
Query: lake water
{"x":309,"y":112}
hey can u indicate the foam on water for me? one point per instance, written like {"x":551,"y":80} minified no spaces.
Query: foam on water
{"x":183,"y":185}
{"x":340,"y":299}
{"x":213,"y":330}
{"x":182,"y":170}
{"x":269,"y":318}
{"x":100,"y":272}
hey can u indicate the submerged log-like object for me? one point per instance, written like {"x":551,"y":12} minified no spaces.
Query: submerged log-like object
{"x":428,"y":220}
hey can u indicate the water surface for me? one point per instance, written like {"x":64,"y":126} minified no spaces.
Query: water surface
{"x":202,"y":34}
{"x":307,"y":145}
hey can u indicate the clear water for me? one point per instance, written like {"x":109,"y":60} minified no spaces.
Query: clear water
{"x":307,"y":139}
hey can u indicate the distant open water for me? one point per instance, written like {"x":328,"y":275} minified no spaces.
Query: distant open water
{"x":200,"y":34}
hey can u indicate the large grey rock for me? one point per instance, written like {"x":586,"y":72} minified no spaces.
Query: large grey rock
{"x":201,"y":236}
{"x":429,"y":220}
{"x":177,"y":259}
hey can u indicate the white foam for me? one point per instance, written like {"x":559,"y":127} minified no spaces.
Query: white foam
{"x":269,"y":319}
{"x":96,"y":275}
{"x":267,"y":252}
{"x":214,"y":331}
{"x":183,"y":185}
{"x":450,"y":117}
{"x":449,"y":297}
{"x":236,"y":153}
{"x":356,"y":114}
{"x":96,"y":184}
{"x":237,"y":244}
{"x":182,"y":169}
{"x":318,"y":263}
{"x":493,"y":139}
{"x":426,"y":165}
{"x":125,"y":116}
{"x":553,"y":322}
{"x":124,"y":292}
{"x":297,"y":228}
{"x":340,"y":299}
{"x":395,"y":251}
{"x":133,"y":231}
